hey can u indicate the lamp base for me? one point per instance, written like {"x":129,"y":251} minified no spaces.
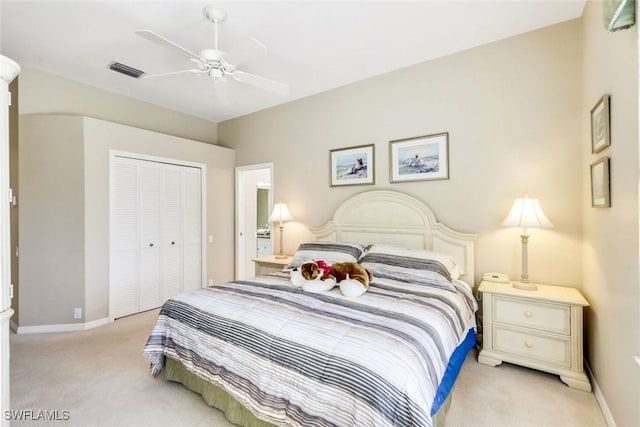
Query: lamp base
{"x":525,"y":286}
{"x":280,"y":256}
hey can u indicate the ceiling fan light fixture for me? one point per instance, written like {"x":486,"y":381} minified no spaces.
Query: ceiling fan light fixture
{"x":217,"y":74}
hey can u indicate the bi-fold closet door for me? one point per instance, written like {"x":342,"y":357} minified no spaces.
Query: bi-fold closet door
{"x":156,"y":233}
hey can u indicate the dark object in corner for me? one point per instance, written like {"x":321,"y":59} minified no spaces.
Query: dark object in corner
{"x":125,"y":69}
{"x":618,"y":14}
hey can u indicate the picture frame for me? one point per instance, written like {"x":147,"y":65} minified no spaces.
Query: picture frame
{"x":601,"y":125}
{"x":600,"y":183}
{"x":422,"y":158}
{"x":352,"y":165}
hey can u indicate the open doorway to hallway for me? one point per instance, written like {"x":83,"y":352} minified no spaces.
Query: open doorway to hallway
{"x":254,"y":198}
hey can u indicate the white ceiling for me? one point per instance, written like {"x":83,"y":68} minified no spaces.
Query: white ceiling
{"x":312,"y":46}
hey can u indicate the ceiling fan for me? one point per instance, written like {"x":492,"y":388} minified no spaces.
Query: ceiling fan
{"x":218,"y":64}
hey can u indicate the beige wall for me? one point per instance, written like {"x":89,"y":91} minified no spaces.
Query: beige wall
{"x":51,"y":220}
{"x":45,"y":93}
{"x":512,"y":110}
{"x":610,"y":238}
{"x":64,"y":216}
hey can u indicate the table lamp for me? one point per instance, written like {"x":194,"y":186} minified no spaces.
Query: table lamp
{"x":526,"y":213}
{"x":281,"y":215}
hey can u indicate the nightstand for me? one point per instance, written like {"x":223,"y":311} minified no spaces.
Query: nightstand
{"x":270,"y":264}
{"x":539,"y":329}
{"x":264,"y":246}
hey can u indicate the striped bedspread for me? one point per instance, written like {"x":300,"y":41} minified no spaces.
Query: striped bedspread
{"x":303,"y":359}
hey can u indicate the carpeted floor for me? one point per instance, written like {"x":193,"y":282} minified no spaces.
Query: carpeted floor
{"x":99,"y":378}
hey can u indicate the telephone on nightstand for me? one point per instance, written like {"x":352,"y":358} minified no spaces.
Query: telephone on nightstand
{"x":496,"y":277}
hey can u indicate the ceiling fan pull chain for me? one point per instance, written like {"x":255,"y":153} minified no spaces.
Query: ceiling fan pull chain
{"x":215,"y":34}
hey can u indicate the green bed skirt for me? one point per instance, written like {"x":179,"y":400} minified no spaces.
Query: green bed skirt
{"x":212,"y":394}
{"x":234,"y":411}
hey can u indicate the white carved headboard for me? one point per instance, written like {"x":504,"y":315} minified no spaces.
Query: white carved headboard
{"x":383,"y":216}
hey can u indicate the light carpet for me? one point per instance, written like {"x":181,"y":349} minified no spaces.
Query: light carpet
{"x":99,"y":378}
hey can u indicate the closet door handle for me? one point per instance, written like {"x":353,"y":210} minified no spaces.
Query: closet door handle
{"x":150,"y":245}
{"x":173,"y":243}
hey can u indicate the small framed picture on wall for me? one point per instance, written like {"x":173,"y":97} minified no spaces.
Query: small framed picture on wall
{"x":420,"y":158}
{"x":600,"y":125}
{"x":352,"y":166}
{"x":600,"y":184}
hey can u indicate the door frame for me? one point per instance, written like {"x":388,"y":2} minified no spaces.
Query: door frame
{"x":8,"y":71}
{"x":241,"y":172}
{"x":203,"y":206}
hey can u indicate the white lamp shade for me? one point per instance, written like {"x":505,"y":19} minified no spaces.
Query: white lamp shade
{"x":526,"y":213}
{"x":280,"y":213}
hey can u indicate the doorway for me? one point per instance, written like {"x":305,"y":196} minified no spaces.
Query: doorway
{"x":254,"y":199}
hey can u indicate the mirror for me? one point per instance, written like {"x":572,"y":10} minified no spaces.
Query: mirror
{"x":263,"y":226}
{"x":262,"y":209}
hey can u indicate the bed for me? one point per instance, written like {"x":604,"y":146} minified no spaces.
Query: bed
{"x":267,"y":353}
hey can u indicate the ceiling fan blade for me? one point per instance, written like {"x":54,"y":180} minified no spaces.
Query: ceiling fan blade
{"x":171,"y":73}
{"x":261,"y":82}
{"x":245,"y":51}
{"x":157,"y":38}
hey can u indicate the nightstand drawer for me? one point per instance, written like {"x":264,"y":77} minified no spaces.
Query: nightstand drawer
{"x":548,"y":349}
{"x":530,"y":314}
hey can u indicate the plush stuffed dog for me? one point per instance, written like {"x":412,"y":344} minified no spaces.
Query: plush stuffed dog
{"x":353,"y":278}
{"x":313,"y":276}
{"x":312,"y":270}
{"x":318,"y":276}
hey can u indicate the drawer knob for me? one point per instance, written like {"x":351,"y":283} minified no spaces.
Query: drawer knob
{"x":528,"y":314}
{"x":528,"y":344}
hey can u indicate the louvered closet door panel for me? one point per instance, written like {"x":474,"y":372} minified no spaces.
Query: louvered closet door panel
{"x":156,"y":229}
{"x":172,"y":231}
{"x":150,"y":243}
{"x":124,"y":238}
{"x":192,"y":227}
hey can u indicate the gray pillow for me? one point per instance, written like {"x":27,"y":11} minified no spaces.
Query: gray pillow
{"x":411,"y":265}
{"x":329,"y":252}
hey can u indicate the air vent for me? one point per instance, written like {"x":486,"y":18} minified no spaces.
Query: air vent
{"x":125,"y":69}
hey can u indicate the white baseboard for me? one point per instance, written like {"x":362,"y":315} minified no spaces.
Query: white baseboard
{"x":600,"y":398}
{"x":65,"y":327}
